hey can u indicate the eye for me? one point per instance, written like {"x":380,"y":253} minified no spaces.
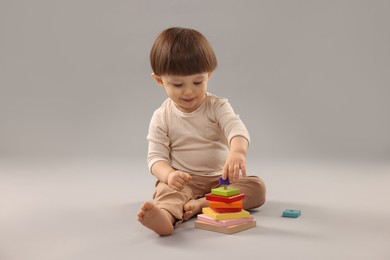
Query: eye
{"x":177,"y":85}
{"x":198,"y":83}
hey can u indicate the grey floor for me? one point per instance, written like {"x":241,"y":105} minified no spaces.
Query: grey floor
{"x":85,"y":209}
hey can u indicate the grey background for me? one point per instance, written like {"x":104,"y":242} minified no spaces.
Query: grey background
{"x":309,"y":78}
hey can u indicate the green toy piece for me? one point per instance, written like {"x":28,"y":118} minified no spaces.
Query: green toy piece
{"x":229,"y":191}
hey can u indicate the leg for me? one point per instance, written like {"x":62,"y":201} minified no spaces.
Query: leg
{"x":200,"y":185}
{"x":158,"y":220}
{"x":165,"y":210}
{"x":254,"y":189}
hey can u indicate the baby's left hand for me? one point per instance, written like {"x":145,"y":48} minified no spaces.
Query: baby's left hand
{"x":233,"y":165}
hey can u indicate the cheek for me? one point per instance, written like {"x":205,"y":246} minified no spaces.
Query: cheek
{"x":174,"y":92}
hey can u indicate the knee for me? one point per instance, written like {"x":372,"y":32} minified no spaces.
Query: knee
{"x":258,"y":195}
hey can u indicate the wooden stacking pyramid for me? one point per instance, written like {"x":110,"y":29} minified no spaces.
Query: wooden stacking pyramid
{"x":225,"y":213}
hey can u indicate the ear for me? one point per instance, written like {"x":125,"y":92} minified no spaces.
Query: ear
{"x":158,"y":79}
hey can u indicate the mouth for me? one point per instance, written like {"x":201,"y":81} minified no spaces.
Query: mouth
{"x":188,"y":99}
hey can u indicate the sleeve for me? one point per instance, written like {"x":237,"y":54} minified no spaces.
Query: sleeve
{"x":229,"y":122}
{"x":158,"y":141}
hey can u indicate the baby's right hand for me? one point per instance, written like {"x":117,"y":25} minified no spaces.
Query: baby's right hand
{"x":178,"y":179}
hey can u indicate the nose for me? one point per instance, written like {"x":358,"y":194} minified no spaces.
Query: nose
{"x":188,"y":91}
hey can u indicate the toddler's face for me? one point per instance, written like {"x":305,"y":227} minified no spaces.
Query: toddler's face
{"x":187,"y":92}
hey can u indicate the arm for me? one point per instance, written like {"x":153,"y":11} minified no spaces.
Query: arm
{"x":158,"y":154}
{"x":235,"y":131}
{"x":236,"y":159}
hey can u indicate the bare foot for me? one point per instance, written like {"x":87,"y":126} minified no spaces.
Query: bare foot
{"x":158,"y":220}
{"x":193,"y":207}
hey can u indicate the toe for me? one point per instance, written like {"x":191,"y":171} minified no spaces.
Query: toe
{"x":188,"y":207}
{"x":187,"y":215}
{"x":140,"y":215}
{"x":147,"y":205}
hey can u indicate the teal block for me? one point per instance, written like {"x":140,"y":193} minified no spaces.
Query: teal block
{"x":291,"y":213}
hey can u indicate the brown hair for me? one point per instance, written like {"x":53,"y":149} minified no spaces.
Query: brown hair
{"x":182,"y":51}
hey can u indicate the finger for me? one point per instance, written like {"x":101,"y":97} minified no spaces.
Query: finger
{"x":180,"y":182}
{"x":225,"y":172}
{"x":231,"y":173}
{"x":243,"y":170}
{"x":184,"y":180}
{"x":189,"y":177}
{"x":236,"y":172}
{"x":185,"y":176}
{"x":179,"y":186}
